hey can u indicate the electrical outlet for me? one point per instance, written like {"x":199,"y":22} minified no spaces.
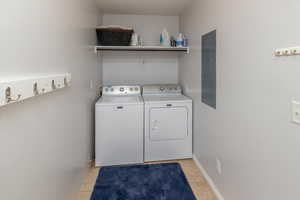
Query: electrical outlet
{"x":91,"y":84}
{"x":296,"y":112}
{"x":218,"y":166}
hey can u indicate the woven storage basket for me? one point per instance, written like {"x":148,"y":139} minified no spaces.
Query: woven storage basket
{"x":114,"y":36}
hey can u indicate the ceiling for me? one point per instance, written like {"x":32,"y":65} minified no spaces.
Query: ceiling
{"x":146,"y":7}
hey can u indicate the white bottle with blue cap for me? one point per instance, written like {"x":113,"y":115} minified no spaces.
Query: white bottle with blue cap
{"x":165,"y":38}
{"x":180,"y":40}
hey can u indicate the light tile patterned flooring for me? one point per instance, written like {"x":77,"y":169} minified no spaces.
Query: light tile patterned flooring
{"x":196,"y":180}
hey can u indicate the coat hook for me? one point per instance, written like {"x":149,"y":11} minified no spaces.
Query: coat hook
{"x":35,"y":89}
{"x":53,"y":85}
{"x":66,"y":82}
{"x":8,"y":97}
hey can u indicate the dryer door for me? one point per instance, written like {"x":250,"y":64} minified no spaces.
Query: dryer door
{"x":168,"y":123}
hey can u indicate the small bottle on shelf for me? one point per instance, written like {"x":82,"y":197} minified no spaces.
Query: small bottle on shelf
{"x":179,"y":41}
{"x":173,"y":42}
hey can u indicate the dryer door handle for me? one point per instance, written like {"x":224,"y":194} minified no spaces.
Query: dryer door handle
{"x":120,"y":108}
{"x":154,"y":125}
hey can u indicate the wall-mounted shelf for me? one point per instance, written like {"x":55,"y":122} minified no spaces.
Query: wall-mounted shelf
{"x":141,"y":48}
{"x":17,"y":89}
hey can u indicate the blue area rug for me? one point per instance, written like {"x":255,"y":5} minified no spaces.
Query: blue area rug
{"x":142,"y":182}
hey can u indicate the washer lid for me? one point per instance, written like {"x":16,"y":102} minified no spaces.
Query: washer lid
{"x":120,"y":100}
{"x":167,"y":98}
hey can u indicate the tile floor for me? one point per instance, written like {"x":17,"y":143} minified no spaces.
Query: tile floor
{"x":199,"y":186}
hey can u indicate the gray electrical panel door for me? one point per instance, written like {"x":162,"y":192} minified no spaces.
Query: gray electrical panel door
{"x":209,"y":73}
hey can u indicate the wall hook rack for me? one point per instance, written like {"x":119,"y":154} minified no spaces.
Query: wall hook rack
{"x":14,"y":90}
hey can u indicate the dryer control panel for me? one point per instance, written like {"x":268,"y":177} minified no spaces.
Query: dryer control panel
{"x":162,"y":89}
{"x":121,"y":90}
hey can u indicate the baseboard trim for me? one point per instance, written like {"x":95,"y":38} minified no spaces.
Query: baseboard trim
{"x":208,"y":179}
{"x":90,"y":163}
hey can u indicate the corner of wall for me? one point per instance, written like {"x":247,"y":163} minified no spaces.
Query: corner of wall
{"x":208,"y":178}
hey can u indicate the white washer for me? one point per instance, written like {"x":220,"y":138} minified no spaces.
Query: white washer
{"x":119,"y":126}
{"x":168,"y":123}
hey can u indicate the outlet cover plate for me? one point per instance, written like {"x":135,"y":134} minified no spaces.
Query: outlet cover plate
{"x":219,"y":166}
{"x":296,"y":112}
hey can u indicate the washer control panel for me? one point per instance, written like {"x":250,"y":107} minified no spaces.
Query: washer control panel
{"x":162,"y":89}
{"x":122,"y":90}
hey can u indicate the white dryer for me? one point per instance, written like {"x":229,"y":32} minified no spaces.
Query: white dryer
{"x":119,"y":126}
{"x":168,"y":123}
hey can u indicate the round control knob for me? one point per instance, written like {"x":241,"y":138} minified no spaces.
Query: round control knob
{"x":162,"y":89}
{"x":106,"y":90}
{"x":136,"y":89}
{"x":131,"y":89}
{"x":111,"y":89}
{"x":122,"y":89}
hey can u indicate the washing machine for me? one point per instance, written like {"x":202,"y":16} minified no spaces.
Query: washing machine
{"x":168,"y":123}
{"x":119,"y":126}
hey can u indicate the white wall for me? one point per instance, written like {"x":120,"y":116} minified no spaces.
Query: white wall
{"x":45,"y":142}
{"x":143,"y":7}
{"x":141,"y":67}
{"x":250,"y":131}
